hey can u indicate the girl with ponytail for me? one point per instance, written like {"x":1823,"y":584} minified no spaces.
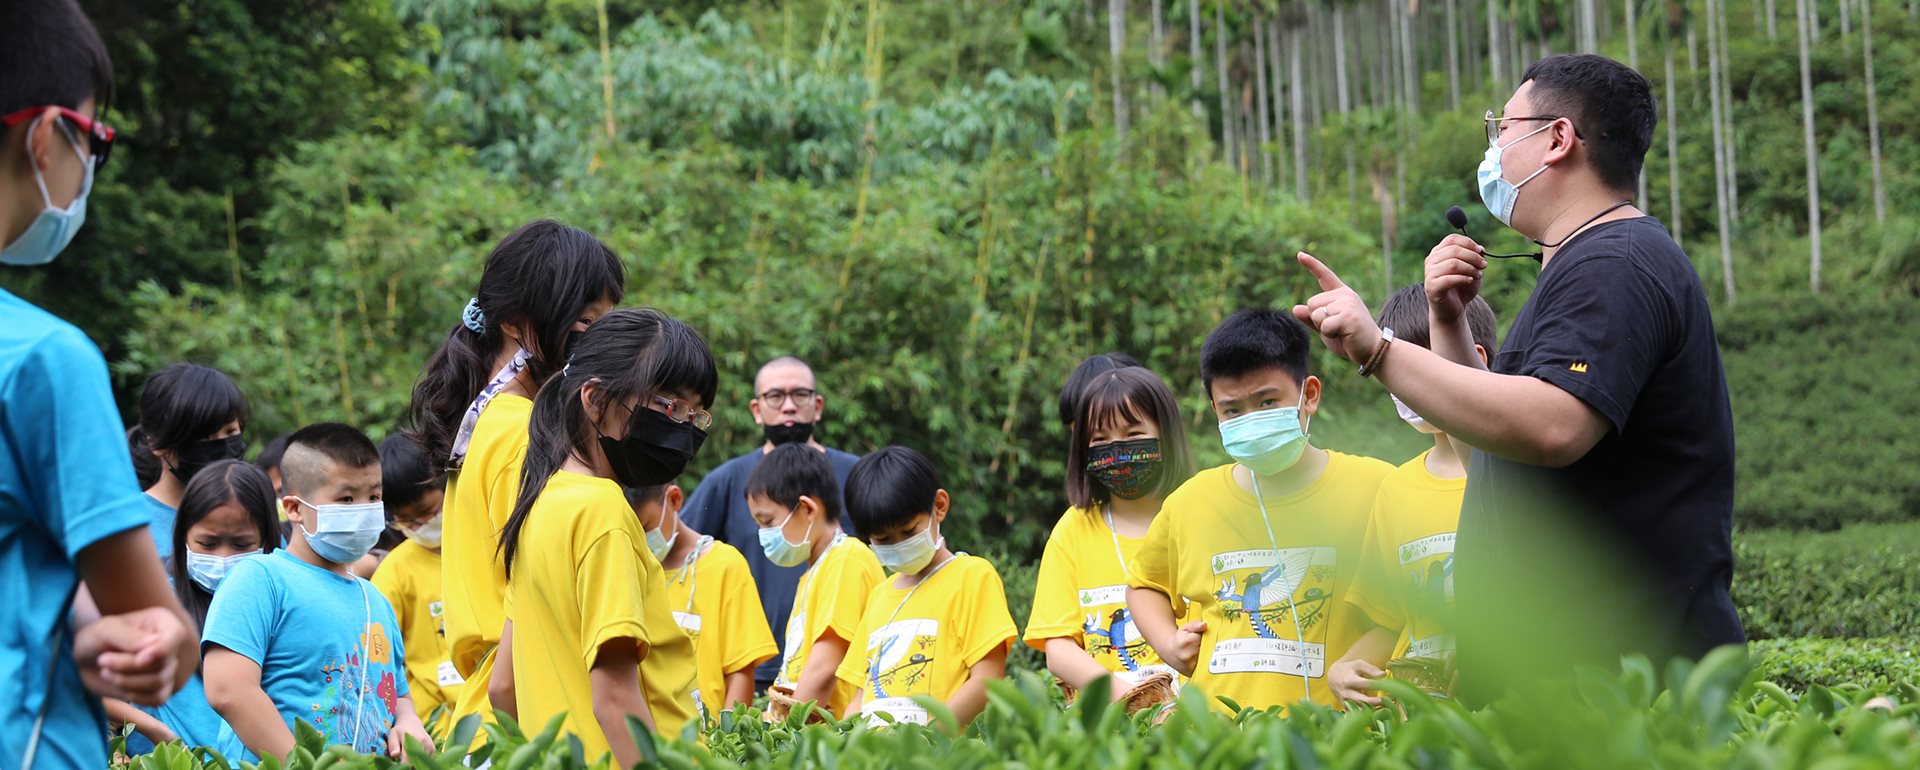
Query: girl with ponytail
{"x":589,"y":630}
{"x":544,"y":284}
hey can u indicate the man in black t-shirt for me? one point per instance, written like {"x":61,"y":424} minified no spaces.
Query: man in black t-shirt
{"x":787,"y":406}
{"x":1599,"y":506}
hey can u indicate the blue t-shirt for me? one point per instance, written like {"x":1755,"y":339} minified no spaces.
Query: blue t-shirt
{"x":298,"y":622}
{"x":188,"y":715}
{"x":66,"y":482}
{"x":718,"y":507}
{"x":161,"y":525}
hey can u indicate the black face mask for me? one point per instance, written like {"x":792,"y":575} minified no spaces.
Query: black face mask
{"x":782,"y":435}
{"x":655,"y":451}
{"x":200,"y":454}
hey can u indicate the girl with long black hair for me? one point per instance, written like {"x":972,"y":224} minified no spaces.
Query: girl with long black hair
{"x":191,"y":417}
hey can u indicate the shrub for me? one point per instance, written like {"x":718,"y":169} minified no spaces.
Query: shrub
{"x":1858,"y":582}
{"x":1800,"y":664}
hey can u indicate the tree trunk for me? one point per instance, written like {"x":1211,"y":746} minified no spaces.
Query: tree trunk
{"x":1157,"y":50}
{"x":1873,"y":114}
{"x":1726,"y":114}
{"x":1846,"y":21}
{"x":1116,"y":46}
{"x":1277,"y":76}
{"x":1226,"y":92}
{"x":1409,"y":67}
{"x":1296,"y":93}
{"x":1812,"y":21}
{"x":1673,"y":152}
{"x":1813,"y":158}
{"x":1589,"y":27}
{"x":1343,"y":98}
{"x":1773,"y":21}
{"x":1264,"y":120}
{"x":1720,"y":175}
{"x":1453,"y":54}
{"x":1495,"y":65}
{"x":1193,"y":56}
{"x":1633,"y":61}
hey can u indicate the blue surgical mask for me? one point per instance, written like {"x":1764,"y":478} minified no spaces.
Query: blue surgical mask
{"x":207,"y":570}
{"x":345,"y":532}
{"x":1268,"y":441}
{"x":55,"y":227}
{"x":773,"y":540}
{"x":1495,"y":191}
{"x":659,"y":544}
{"x":913,"y":554}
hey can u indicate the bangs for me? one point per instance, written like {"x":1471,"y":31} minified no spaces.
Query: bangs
{"x":679,"y":362}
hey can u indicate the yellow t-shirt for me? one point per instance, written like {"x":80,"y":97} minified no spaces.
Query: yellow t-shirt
{"x":1272,"y":615}
{"x":1406,"y":580}
{"x":714,"y":601}
{"x":832,"y":596}
{"x":478,"y":501}
{"x":410,"y":579}
{"x":584,"y":577}
{"x":926,"y":639}
{"x":1081,"y":593}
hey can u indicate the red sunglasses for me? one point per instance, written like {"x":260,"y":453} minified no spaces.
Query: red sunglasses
{"x":101,"y":133}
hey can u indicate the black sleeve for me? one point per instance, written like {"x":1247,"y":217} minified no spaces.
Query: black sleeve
{"x":1599,"y":333}
{"x":706,"y":507}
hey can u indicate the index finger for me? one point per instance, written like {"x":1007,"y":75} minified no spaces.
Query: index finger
{"x":1328,"y":280}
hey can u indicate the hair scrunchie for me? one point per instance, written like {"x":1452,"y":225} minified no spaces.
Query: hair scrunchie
{"x":475,"y":320}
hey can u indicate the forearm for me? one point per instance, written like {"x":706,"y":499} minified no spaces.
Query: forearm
{"x":971,"y":698}
{"x":817,"y":675}
{"x":1068,"y":661}
{"x":1374,"y":646}
{"x":1516,"y":417}
{"x":501,"y":694}
{"x":1453,"y":342}
{"x":739,"y":688}
{"x":253,"y":717}
{"x":120,"y":712}
{"x":613,"y":702}
{"x":123,"y":576}
{"x":1153,"y":618}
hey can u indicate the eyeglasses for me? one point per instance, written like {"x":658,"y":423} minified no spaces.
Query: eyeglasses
{"x":1493,"y":124}
{"x":101,"y":133}
{"x":779,"y":397}
{"x":682,"y":411}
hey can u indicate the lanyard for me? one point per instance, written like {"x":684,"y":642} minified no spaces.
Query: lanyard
{"x":472,"y":417}
{"x":1306,"y":682}
{"x":1116,"y":542}
{"x":838,"y":538}
{"x":916,"y":587}
{"x":686,"y":574}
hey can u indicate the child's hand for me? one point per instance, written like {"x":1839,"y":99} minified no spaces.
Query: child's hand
{"x":131,"y":656}
{"x":1186,"y":647}
{"x":407,"y":726}
{"x":1351,"y":680}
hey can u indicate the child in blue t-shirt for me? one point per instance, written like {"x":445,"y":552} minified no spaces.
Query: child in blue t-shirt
{"x":292,"y":635}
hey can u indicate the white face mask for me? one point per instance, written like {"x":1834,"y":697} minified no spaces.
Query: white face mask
{"x":1419,"y":423}
{"x":208,"y":570}
{"x":659,"y":544}
{"x":428,"y":534}
{"x":913,"y":554}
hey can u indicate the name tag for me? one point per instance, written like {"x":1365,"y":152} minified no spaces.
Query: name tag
{"x":1103,"y":596}
{"x":450,"y":676}
{"x":903,"y":711}
{"x":688,"y":622}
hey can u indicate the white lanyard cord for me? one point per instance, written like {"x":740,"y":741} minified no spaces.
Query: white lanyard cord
{"x":366,"y":652}
{"x":807,"y":580}
{"x":686,"y":573}
{"x":916,"y":586}
{"x":1108,"y":512}
{"x":1305,"y":681}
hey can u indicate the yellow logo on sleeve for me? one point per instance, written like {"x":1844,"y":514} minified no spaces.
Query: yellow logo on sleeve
{"x":1579,"y":366}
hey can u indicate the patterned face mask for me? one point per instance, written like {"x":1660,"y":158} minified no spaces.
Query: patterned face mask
{"x":1128,"y":469}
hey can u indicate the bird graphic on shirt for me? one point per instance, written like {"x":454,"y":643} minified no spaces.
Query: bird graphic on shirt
{"x":1267,"y":589}
{"x":879,"y":666}
{"x":1119,"y":622}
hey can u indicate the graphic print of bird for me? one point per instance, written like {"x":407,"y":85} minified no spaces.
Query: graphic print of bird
{"x":1119,"y":622}
{"x":879,"y":665}
{"x":1268,"y":588}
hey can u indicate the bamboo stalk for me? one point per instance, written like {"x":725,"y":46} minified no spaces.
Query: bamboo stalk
{"x":869,"y":141}
{"x":1020,"y":363}
{"x":233,"y":240}
{"x":346,"y":371}
{"x":606,"y":71}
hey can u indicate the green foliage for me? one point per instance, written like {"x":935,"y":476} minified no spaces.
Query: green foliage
{"x":1801,"y":664}
{"x":1710,"y":715}
{"x":1858,"y":582}
{"x":1825,"y":410}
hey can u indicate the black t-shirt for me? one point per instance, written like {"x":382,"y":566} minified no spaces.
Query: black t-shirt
{"x":1630,"y":547}
{"x":718,"y":507}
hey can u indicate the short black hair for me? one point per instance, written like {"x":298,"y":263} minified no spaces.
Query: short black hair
{"x":1076,"y":384}
{"x":1611,"y":107}
{"x":50,"y":55}
{"x":405,"y":474}
{"x":270,"y":454}
{"x":342,"y":445}
{"x":185,"y":403}
{"x":890,"y":487}
{"x":792,"y":470}
{"x":1253,"y":339}
{"x":1406,"y":314}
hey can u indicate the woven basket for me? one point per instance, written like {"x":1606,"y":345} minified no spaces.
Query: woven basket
{"x":780,"y":705}
{"x":1155,"y":690}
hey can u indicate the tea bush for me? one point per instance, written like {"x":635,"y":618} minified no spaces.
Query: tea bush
{"x":1858,"y":582}
{"x":1717,"y":714}
{"x":1799,"y":664}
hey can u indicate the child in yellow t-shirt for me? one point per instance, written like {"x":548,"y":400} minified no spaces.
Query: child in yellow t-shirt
{"x":1120,"y":467}
{"x":590,"y":630}
{"x":1405,"y":585}
{"x":713,"y":600}
{"x":409,"y":577}
{"x":940,"y":627}
{"x":1258,"y":554}
{"x":792,"y":489}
